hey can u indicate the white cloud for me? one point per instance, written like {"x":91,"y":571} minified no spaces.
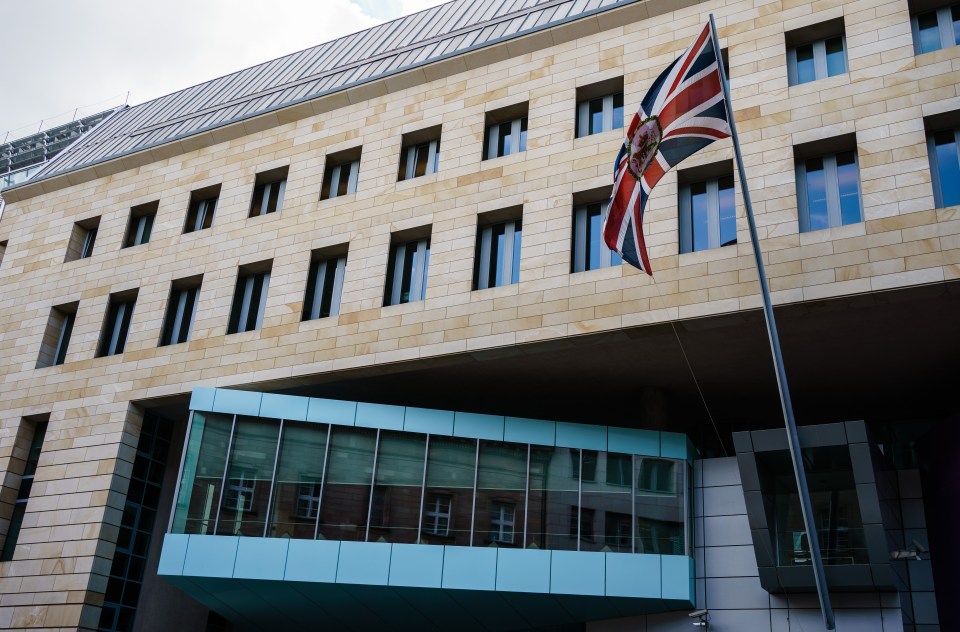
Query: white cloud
{"x":75,"y":54}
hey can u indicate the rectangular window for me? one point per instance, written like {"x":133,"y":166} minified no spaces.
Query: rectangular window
{"x":203,"y":205}
{"x":816,"y":52}
{"x":497,"y":260}
{"x":82,"y":239}
{"x":506,"y":131}
{"x":936,"y":29}
{"x":181,"y":310}
{"x":828,"y":191}
{"x":420,"y":153}
{"x":56,"y":338}
{"x":35,"y":430}
{"x":436,"y":515}
{"x":407,"y":272}
{"x":113,"y":336}
{"x":590,"y":252}
{"x":341,"y":174}
{"x":600,"y":114}
{"x":708,"y":216}
{"x":140,"y":224}
{"x":3,"y":250}
{"x":324,"y":285}
{"x":942,"y":149}
{"x":268,"y":190}
{"x":250,"y":297}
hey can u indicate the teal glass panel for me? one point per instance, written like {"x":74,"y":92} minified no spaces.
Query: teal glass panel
{"x":203,"y":465}
{"x":346,"y":491}
{"x":659,"y":506}
{"x":296,"y":492}
{"x":501,"y":491}
{"x":448,"y":497}
{"x":395,"y":512}
{"x":243,"y":508}
{"x":606,"y":505}
{"x":552,"y":510}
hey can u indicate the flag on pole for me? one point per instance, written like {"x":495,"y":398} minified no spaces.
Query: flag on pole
{"x":682,"y":113}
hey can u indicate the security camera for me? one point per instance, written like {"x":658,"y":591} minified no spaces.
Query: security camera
{"x":698,"y":614}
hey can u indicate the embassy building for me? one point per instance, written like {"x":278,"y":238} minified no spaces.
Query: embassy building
{"x":333,"y":342}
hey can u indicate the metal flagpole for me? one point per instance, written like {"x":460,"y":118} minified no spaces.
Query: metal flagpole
{"x":792,"y":438}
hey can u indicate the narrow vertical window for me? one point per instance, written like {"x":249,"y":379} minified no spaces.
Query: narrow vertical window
{"x":250,"y":297}
{"x":942,"y":150}
{"x":419,"y":153}
{"x":341,"y":174}
{"x":589,"y":251}
{"x":3,"y":250}
{"x":203,"y":206}
{"x":56,"y":337}
{"x":140,"y":224}
{"x":828,"y":189}
{"x":497,"y":260}
{"x":707,"y":214}
{"x":113,"y":336}
{"x":816,"y":52}
{"x":82,"y":239}
{"x":407,"y":272}
{"x":36,"y":431}
{"x":324,"y":285}
{"x":506,"y":131}
{"x":599,"y":107}
{"x":268,"y":191}
{"x":181,"y":310}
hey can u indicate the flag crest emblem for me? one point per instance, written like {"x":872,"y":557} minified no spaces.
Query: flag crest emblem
{"x":683,"y":112}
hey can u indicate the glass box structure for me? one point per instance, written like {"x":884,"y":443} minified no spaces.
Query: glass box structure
{"x":321,"y":494}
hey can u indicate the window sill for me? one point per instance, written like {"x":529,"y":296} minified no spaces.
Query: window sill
{"x":340,"y":199}
{"x":412,"y":183}
{"x":598,"y":139}
{"x":802,"y":89}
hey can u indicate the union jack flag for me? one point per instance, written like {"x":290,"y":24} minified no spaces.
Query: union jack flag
{"x":683,"y":112}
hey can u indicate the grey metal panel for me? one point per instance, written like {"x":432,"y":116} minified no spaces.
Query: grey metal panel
{"x":390,"y":47}
{"x":723,"y":501}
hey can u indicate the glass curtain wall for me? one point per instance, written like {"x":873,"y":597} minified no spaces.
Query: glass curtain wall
{"x":262,"y":477}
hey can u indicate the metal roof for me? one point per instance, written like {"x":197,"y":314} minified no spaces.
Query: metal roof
{"x":443,"y":31}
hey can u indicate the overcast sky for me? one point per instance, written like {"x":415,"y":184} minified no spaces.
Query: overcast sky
{"x":60,"y":55}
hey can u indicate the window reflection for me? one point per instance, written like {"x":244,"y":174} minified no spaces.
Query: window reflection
{"x":257,"y":477}
{"x":948,"y":168}
{"x":817,"y":195}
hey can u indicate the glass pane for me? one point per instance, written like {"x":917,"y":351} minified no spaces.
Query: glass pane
{"x":448,"y":501}
{"x":659,"y":506}
{"x":296,"y":495}
{"x":505,"y":142}
{"x":948,"y":169}
{"x":202,"y":473}
{"x":835,"y":506}
{"x":618,"y":110}
{"x":816,"y":195}
{"x":955,"y":18}
{"x":501,"y":490}
{"x":594,"y":236}
{"x":596,"y":116}
{"x":836,"y":60}
{"x":699,"y":221}
{"x":517,"y":236}
{"x":806,"y":68}
{"x":395,"y":514}
{"x":523,"y":134}
{"x":848,"y":179}
{"x":406,"y":280}
{"x":346,"y":492}
{"x":552,"y":506}
{"x":423,"y":154}
{"x":929,"y":32}
{"x":728,"y":212}
{"x":243,"y":510}
{"x":495,"y":269}
{"x":606,"y":501}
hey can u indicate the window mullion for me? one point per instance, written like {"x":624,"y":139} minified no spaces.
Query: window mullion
{"x":832,"y":183}
{"x":583,"y":118}
{"x":117,"y":324}
{"x":509,"y":232}
{"x":373,"y":481}
{"x":273,"y":482}
{"x":178,"y":317}
{"x":820,"y":59}
{"x":418,"y":272}
{"x":398,"y":263}
{"x":713,"y":214}
{"x":608,"y":113}
{"x":261,"y":307}
{"x":223,"y":480}
{"x":493,"y":140}
{"x":473,"y":507}
{"x":318,"y":289}
{"x":354,"y":175}
{"x":423,"y":489}
{"x":245,"y":304}
{"x":792,"y":72}
{"x":193,"y":313}
{"x":323,"y":479}
{"x":141,"y":223}
{"x":803,"y":207}
{"x":686,"y":219}
{"x":265,"y":199}
{"x":432,"y":156}
{"x":945,"y":26}
{"x":515,"y":136}
{"x":341,"y":265}
{"x":283,"y":189}
{"x":411,"y":162}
